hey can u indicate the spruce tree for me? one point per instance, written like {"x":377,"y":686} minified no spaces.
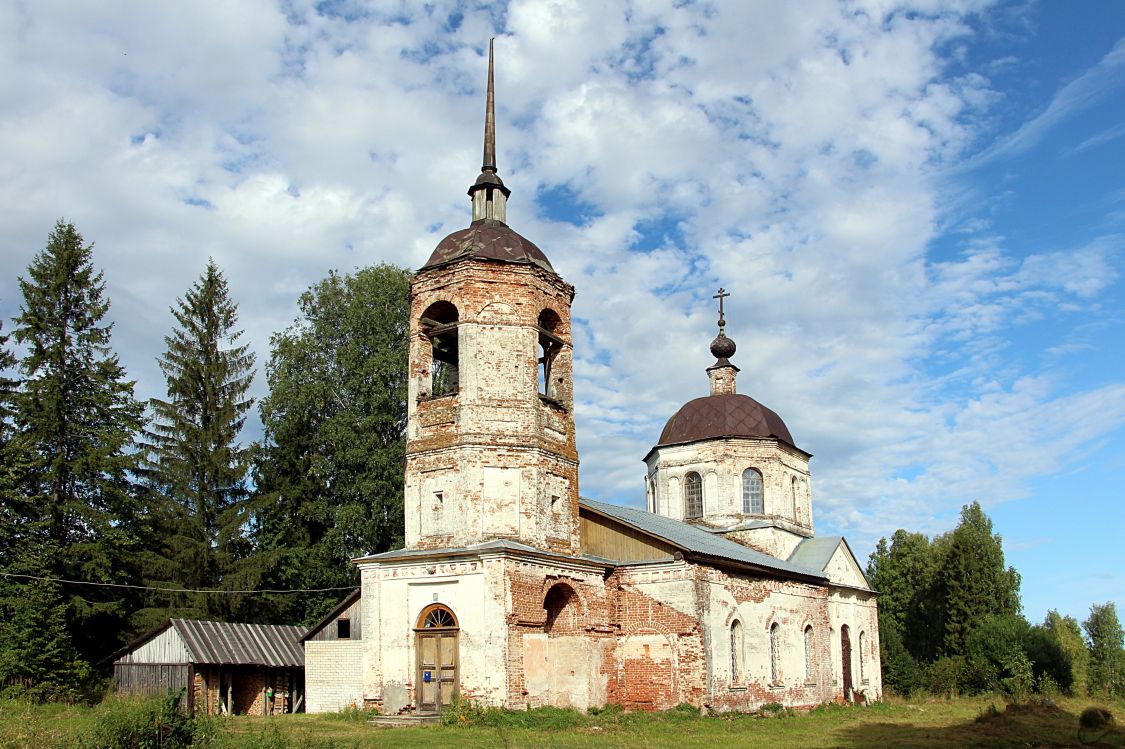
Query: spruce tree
{"x":77,"y":419}
{"x":972,"y":582}
{"x":194,"y":458}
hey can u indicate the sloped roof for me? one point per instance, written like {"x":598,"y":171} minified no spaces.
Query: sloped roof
{"x":497,"y":544}
{"x":818,"y":552}
{"x":231,"y":643}
{"x":697,"y":541}
{"x":815,"y":552}
{"x":328,"y":618}
{"x":488,"y":239}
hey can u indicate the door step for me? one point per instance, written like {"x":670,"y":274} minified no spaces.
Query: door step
{"x":405,"y":721}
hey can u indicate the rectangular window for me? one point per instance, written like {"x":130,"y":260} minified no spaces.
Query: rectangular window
{"x":556,"y":503}
{"x":343,"y":629}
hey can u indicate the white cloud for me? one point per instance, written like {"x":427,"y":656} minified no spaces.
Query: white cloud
{"x":798,"y":154}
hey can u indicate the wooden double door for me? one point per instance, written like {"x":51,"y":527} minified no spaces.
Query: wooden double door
{"x":436,"y":646}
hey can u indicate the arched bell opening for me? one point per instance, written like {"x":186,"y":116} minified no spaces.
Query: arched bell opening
{"x":439,"y":324}
{"x":550,"y":344}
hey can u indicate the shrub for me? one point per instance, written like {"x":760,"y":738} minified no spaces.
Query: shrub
{"x":945,"y":675}
{"x":154,"y":723}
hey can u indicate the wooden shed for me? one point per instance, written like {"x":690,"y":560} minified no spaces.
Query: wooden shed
{"x":226,"y":668}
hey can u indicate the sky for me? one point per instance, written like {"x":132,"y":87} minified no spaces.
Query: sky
{"x":918,"y":209}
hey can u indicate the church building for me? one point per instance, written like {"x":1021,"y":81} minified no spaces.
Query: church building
{"x":513,"y":590}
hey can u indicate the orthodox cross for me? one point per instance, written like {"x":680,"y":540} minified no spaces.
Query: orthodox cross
{"x":720,"y":296}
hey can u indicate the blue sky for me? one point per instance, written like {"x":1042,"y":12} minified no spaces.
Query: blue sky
{"x":918,"y":208}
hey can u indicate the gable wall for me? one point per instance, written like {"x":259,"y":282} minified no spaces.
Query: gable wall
{"x":353,"y":614}
{"x":166,"y":647}
{"x":605,"y":538}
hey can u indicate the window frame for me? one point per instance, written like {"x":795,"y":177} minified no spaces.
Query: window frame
{"x":748,"y":502}
{"x":690,"y":502}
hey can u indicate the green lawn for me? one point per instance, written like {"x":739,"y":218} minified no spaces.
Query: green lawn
{"x":965,"y":722}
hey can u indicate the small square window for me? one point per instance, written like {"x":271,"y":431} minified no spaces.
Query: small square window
{"x":343,"y":629}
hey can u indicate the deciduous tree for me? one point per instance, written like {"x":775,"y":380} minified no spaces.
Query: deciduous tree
{"x":329,"y":473}
{"x":1067,"y":632}
{"x":1107,"y":652}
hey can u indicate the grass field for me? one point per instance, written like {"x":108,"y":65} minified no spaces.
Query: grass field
{"x":964,"y":722}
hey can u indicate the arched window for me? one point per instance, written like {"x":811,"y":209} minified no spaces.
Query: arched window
{"x":808,"y":653}
{"x":793,"y":496}
{"x":549,"y":346}
{"x":439,"y":324}
{"x":437,"y":617}
{"x":737,"y":651}
{"x":752,"y":492}
{"x":693,"y":495}
{"x":862,"y":644}
{"x":775,"y":653}
{"x":832,"y":653}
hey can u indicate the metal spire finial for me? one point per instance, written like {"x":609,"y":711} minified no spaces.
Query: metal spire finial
{"x":490,"y":119}
{"x":720,"y":296}
{"x":722,"y":348}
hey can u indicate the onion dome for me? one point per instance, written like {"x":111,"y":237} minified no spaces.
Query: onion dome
{"x":726,"y":415}
{"x":722,"y":347}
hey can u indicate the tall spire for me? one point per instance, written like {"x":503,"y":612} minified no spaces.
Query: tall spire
{"x":490,"y":118}
{"x":490,"y":197}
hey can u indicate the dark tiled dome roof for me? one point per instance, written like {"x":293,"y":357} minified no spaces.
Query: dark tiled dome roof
{"x":730,"y":415}
{"x":491,"y":240}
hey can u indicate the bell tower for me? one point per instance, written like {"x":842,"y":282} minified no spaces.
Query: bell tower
{"x":490,"y":449}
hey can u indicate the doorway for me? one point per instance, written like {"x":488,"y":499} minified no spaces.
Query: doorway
{"x":846,"y":661}
{"x":436,"y":646}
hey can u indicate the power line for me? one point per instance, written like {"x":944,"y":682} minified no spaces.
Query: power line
{"x":170,"y":590}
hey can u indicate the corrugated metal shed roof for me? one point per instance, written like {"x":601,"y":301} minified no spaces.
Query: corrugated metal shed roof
{"x":693,"y":539}
{"x":231,"y":643}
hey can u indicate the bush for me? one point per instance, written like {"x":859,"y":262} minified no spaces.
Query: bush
{"x":945,"y":675}
{"x":154,"y":723}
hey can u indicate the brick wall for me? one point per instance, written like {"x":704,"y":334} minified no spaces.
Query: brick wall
{"x":333,"y":675}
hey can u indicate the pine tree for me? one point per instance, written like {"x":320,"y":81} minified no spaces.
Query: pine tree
{"x":194,"y":458}
{"x":77,"y":419}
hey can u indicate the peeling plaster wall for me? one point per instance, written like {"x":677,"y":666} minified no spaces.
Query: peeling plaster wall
{"x":394,"y":596}
{"x":720,"y":463}
{"x":496,"y":459}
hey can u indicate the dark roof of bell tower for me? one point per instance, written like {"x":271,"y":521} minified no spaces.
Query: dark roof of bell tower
{"x":488,"y":240}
